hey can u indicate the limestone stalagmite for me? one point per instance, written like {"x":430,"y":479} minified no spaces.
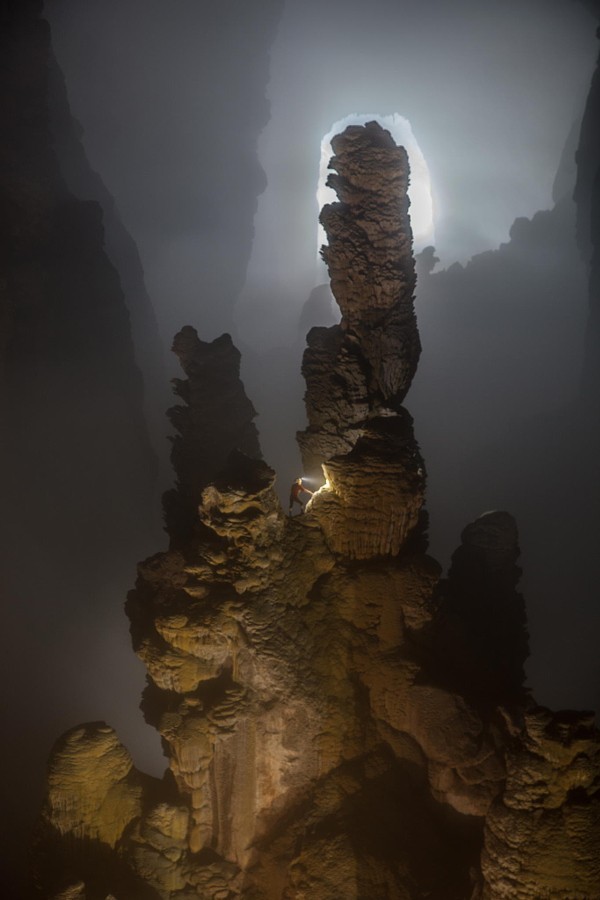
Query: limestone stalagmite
{"x":542,"y":835}
{"x":320,"y":743}
{"x":216,"y":418}
{"x":107,"y":803}
{"x":480,"y":636}
{"x":362,"y":368}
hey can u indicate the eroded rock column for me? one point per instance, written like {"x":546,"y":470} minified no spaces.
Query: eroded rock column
{"x":359,"y":438}
{"x":328,"y":735}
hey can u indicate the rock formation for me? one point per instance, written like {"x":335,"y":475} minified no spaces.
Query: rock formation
{"x":79,"y":473}
{"x":479,"y":635}
{"x":216,"y":419}
{"x":188,"y":200}
{"x":85,"y":184}
{"x":587,"y":197}
{"x":542,"y":834}
{"x":362,"y":368}
{"x":493,"y":399}
{"x":330,"y":728}
{"x":69,"y":386}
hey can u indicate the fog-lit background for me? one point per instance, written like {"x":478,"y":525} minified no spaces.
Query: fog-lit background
{"x":200,"y":134}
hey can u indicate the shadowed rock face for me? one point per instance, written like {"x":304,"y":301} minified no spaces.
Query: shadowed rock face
{"x":66,"y":345}
{"x":542,"y":835}
{"x":479,"y":635}
{"x":78,"y":470}
{"x":369,"y":254}
{"x":587,"y":197}
{"x":358,"y":372}
{"x":216,"y":419}
{"x":363,"y":367}
{"x":85,"y":184}
{"x":320,"y":743}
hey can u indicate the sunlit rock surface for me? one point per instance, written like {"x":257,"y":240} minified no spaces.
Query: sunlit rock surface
{"x":330,"y":728}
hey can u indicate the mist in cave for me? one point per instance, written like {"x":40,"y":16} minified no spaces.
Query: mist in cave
{"x":191,"y":134}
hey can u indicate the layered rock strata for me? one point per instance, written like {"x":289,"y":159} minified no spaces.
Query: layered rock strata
{"x":320,"y":744}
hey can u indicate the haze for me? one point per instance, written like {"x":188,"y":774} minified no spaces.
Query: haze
{"x":203,"y":122}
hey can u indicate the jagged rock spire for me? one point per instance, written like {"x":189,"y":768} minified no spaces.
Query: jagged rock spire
{"x":358,"y":372}
{"x":217,"y":418}
{"x":362,"y":367}
{"x":319,"y":745}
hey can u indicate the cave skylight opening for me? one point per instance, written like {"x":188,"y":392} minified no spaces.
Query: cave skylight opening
{"x":419,"y":191}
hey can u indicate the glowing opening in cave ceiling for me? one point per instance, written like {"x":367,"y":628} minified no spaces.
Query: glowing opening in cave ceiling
{"x":419,"y":191}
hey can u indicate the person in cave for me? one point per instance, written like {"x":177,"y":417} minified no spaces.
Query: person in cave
{"x":295,"y":491}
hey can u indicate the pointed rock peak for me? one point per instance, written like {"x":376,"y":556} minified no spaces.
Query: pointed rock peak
{"x":215,"y":420}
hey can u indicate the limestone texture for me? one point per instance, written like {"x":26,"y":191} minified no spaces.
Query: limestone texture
{"x":107,"y":803}
{"x":542,"y":835}
{"x":339,"y":721}
{"x":362,"y":368}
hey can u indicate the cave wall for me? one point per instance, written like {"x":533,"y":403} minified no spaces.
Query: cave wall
{"x":71,"y":392}
{"x":86,"y":184}
{"x":79,"y":472}
{"x":172,"y":126}
{"x":587,"y":198}
{"x":80,"y":398}
{"x":4,"y":332}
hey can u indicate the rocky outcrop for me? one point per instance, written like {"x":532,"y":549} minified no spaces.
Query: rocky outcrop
{"x":94,"y":796}
{"x":542,"y":835}
{"x":78,"y":495}
{"x":320,"y":743}
{"x":369,"y":251}
{"x":98,"y":808}
{"x":357,"y":373}
{"x":480,"y":631}
{"x":69,"y":385}
{"x":296,"y":728}
{"x":362,"y":368}
{"x":85,"y":184}
{"x":374,"y":493}
{"x":215,"y":420}
{"x":188,"y":200}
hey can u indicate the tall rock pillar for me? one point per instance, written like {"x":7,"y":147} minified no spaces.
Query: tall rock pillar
{"x":358,"y":372}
